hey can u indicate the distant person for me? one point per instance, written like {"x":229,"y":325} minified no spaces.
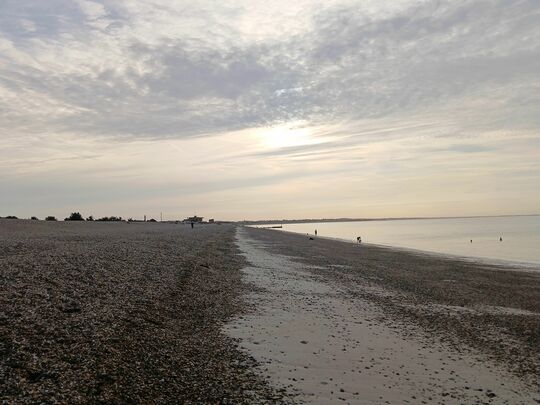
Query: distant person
{"x":192,"y":225}
{"x":315,"y":232}
{"x":500,"y":239}
{"x":471,"y":240}
{"x":359,"y":239}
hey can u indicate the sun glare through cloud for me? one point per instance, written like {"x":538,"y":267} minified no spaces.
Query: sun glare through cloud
{"x":413,"y":88}
{"x":286,"y":135}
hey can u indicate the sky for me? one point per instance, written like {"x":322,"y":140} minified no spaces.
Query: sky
{"x":269,"y":109}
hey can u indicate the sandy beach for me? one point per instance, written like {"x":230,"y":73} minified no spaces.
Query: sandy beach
{"x":161,"y":313}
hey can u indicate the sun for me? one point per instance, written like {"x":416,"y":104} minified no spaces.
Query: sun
{"x":284,"y":136}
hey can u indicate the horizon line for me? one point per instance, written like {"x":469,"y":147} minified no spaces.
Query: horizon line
{"x":349,"y":219}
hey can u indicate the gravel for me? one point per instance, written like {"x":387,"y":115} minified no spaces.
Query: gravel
{"x":122,"y":313}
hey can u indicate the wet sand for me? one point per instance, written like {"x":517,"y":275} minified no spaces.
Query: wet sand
{"x":320,"y":326}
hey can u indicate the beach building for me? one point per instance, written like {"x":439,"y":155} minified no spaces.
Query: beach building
{"x":194,"y":219}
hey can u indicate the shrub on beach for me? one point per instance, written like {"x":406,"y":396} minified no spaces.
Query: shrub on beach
{"x":34,"y":219}
{"x":90,"y":218}
{"x":110,"y":219}
{"x":75,"y":216}
{"x":50,"y":218}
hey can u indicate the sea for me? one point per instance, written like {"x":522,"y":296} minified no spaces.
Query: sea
{"x":471,"y":237}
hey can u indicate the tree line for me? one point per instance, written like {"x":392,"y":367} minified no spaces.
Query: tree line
{"x":76,"y":216}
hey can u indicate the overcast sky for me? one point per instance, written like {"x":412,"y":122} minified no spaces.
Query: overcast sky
{"x":269,"y":109}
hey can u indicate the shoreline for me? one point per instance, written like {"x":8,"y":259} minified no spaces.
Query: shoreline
{"x":492,"y":310}
{"x":518,"y":265}
{"x":326,"y":339}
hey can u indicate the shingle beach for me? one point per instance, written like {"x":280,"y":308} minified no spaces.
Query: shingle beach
{"x":161,"y":313}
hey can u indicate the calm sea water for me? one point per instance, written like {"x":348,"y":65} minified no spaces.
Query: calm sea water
{"x":520,"y":234}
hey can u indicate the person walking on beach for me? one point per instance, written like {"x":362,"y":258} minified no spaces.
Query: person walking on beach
{"x":191,"y":225}
{"x":315,"y":232}
{"x":359,"y":239}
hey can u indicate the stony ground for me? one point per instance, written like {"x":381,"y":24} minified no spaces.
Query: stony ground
{"x":117,"y":312}
{"x":125,"y":313}
{"x":494,"y":310}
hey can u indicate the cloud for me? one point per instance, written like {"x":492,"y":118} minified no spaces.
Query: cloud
{"x":346,"y":63}
{"x":405,"y":79}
